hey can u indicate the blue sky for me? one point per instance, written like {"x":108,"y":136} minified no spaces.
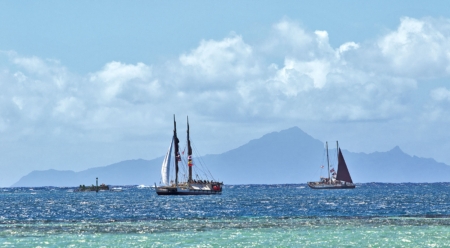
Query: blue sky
{"x":86,"y":84}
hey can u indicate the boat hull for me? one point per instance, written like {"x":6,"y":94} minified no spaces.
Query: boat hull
{"x":320,"y":185}
{"x":184,"y":191}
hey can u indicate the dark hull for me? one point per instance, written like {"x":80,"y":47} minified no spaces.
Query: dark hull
{"x":178,"y":191}
{"x":190,"y":193}
{"x":319,"y":185}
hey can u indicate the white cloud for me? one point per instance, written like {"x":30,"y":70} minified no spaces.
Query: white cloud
{"x":18,"y":102}
{"x":347,"y":47}
{"x":418,"y":48}
{"x":290,"y":34}
{"x":213,"y":61}
{"x":116,"y":78}
{"x":49,"y":69}
{"x":69,"y":108}
{"x":298,"y":76}
{"x":440,"y":94}
{"x":316,"y":81}
{"x":324,"y":85}
{"x":229,"y":76}
{"x":438,"y":108}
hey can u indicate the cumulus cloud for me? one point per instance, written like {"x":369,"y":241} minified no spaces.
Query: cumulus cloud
{"x":322,"y":84}
{"x":290,"y":38}
{"x":40,"y":94}
{"x":219,"y":61}
{"x":116,"y":79}
{"x":27,"y":92}
{"x":440,"y":94}
{"x":70,"y":108}
{"x":418,"y":48}
{"x":230,"y":79}
{"x":346,"y":47}
{"x":438,"y":108}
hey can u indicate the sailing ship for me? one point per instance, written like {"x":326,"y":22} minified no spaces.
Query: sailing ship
{"x":335,"y":180}
{"x":189,"y":185}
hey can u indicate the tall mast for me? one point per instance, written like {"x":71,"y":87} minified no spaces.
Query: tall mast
{"x":176,"y":151}
{"x":189,"y":153}
{"x":337,"y":149}
{"x":328,"y":161}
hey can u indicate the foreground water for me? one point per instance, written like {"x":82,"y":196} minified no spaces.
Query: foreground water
{"x":372,"y":215}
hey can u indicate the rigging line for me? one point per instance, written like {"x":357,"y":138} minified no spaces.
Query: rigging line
{"x":322,"y":163}
{"x":200,"y":166}
{"x":196,"y":168}
{"x":181,"y":164}
{"x":201,"y":162}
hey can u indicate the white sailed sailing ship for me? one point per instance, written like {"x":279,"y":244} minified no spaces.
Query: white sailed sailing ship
{"x":335,"y":180}
{"x":184,"y":185}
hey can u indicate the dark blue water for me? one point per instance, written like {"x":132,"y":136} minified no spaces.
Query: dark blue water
{"x":372,"y":215}
{"x":23,"y":205}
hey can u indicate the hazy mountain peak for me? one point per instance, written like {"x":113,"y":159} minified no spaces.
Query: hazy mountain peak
{"x":289,"y":137}
{"x":396,"y":149}
{"x":293,"y":132}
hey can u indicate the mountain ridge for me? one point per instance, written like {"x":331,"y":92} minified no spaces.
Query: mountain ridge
{"x":286,"y":156}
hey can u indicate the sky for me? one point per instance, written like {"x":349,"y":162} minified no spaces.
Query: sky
{"x":86,"y":84}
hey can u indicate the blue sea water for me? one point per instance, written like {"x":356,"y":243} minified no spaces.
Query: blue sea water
{"x":372,"y":215}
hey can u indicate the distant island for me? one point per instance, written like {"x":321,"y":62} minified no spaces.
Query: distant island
{"x":288,"y":156}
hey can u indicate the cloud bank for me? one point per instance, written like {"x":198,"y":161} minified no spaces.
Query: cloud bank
{"x":351,"y":82}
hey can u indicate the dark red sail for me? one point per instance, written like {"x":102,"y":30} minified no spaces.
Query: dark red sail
{"x":343,"y":174}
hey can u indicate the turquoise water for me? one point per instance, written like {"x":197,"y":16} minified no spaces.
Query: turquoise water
{"x":373,"y":215}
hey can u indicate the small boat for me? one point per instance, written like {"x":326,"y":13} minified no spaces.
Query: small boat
{"x":83,"y":188}
{"x":336,"y":180}
{"x":116,"y":189}
{"x":185,"y":186}
{"x":142,"y":186}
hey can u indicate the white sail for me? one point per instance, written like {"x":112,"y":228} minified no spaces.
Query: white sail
{"x":165,"y":169}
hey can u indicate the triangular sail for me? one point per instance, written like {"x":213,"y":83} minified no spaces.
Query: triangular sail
{"x":343,"y":174}
{"x":165,"y":169}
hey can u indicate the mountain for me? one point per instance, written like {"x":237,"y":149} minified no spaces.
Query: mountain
{"x":288,"y":156}
{"x":395,"y":166}
{"x":129,"y":172}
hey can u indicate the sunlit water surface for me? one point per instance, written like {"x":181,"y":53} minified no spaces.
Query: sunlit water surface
{"x":372,"y":215}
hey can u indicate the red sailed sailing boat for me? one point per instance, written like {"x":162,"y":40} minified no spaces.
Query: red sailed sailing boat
{"x":339,"y":180}
{"x":189,"y":185}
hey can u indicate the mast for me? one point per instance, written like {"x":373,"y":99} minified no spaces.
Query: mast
{"x":328,"y":161}
{"x":337,"y":149}
{"x":189,"y":153}
{"x":176,"y":151}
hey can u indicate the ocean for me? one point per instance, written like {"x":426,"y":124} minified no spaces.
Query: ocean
{"x":372,"y":215}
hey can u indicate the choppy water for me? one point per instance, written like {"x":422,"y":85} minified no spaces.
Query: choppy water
{"x":372,"y":215}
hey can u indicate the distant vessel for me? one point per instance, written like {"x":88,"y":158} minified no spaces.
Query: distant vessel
{"x":142,"y":186}
{"x":336,"y":180}
{"x":116,"y":189}
{"x":187,"y":186}
{"x":84,"y":188}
